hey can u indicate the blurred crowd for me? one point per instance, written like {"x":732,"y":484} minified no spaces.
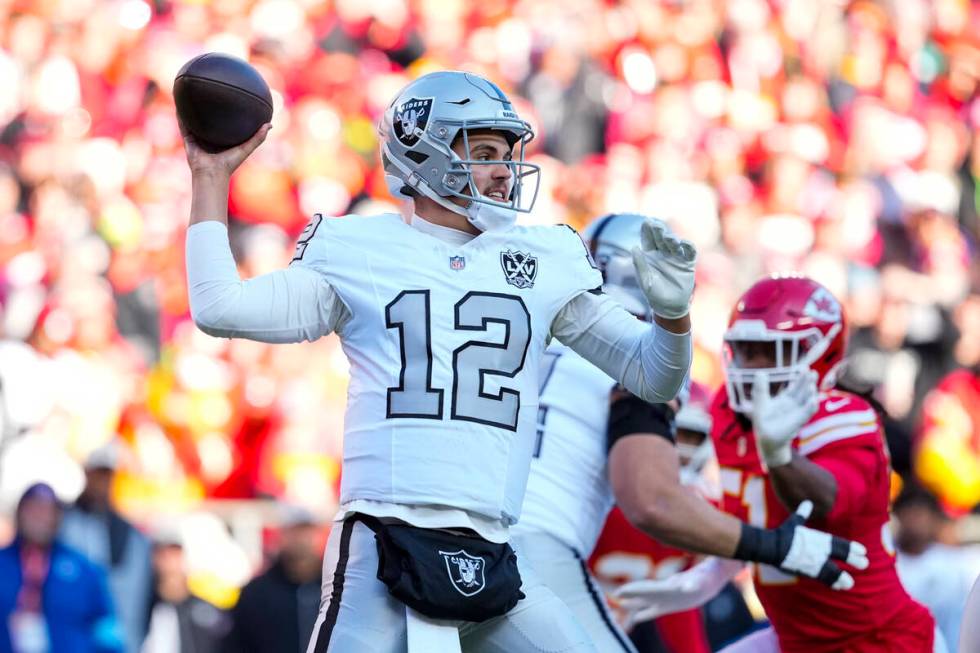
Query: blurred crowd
{"x":835,"y":138}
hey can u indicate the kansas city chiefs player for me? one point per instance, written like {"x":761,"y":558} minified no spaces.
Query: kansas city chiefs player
{"x":782,"y":435}
{"x":624,"y":553}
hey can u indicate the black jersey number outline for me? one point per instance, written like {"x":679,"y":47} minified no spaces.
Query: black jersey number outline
{"x":473,"y":361}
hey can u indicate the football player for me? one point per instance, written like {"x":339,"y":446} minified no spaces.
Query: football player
{"x":444,"y":318}
{"x":783,"y":435}
{"x":597,"y":444}
{"x":623,"y":553}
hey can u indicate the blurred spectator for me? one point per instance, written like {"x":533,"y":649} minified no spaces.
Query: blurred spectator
{"x":277,"y":609}
{"x":52,"y":599}
{"x":948,"y":451}
{"x":95,"y":528}
{"x":933,"y":573}
{"x":179,"y":622}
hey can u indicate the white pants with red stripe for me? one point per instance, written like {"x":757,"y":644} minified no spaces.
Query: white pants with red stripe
{"x":357,"y":615}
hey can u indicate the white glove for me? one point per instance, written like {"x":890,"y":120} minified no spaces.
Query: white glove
{"x":811,"y":553}
{"x":643,"y":600}
{"x":777,"y":420}
{"x":665,"y":269}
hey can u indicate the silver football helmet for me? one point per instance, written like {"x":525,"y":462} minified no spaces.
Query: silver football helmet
{"x":611,"y":239}
{"x":694,"y":415}
{"x":421,"y":125}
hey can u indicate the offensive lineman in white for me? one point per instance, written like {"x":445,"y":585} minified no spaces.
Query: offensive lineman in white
{"x":596,"y":446}
{"x":444,"y":321}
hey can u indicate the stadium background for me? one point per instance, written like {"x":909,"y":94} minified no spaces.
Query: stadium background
{"x":836,"y":138}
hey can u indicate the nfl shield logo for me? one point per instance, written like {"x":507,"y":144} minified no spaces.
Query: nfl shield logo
{"x":520,"y":268}
{"x":457,"y":262}
{"x":465,"y":572}
{"x":411,"y":116}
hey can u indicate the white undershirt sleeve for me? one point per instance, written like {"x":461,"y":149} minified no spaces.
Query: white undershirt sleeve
{"x":289,"y":305}
{"x":648,"y":360}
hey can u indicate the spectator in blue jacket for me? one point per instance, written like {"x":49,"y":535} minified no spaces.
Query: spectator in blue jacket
{"x":52,"y":598}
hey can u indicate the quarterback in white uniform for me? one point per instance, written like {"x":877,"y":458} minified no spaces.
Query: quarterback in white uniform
{"x":596,"y":445}
{"x":444,"y":321}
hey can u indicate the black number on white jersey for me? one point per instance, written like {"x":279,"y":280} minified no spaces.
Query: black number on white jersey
{"x":477,"y":358}
{"x":414,"y":395}
{"x":548,"y":365}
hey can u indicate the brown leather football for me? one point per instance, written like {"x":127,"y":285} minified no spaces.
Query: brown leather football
{"x":221,"y":100}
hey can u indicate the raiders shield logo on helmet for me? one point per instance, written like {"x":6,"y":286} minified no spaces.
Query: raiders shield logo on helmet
{"x":411,"y":117}
{"x":520,"y":268}
{"x":465,"y":572}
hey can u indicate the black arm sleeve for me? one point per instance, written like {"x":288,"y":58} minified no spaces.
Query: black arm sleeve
{"x":630,"y":415}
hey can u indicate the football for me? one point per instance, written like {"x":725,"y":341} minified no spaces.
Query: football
{"x":221,"y":100}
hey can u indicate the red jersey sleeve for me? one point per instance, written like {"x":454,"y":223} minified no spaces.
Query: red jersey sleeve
{"x":845,"y":438}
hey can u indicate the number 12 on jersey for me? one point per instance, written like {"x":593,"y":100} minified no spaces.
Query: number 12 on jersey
{"x":410,"y":314}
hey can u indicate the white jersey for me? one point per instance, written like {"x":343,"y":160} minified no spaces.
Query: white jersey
{"x":444,"y":342}
{"x":568,"y":492}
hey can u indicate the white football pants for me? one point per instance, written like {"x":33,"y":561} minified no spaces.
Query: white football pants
{"x":566,"y":574}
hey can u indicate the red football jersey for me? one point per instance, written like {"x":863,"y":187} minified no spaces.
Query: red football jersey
{"x":624,"y":553}
{"x":844,"y":437}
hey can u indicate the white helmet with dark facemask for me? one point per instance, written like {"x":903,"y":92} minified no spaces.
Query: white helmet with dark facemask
{"x":611,"y":239}
{"x":418,"y":131}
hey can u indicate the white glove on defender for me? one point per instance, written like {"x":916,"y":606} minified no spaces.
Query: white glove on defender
{"x":665,"y":269}
{"x":777,"y":420}
{"x":648,"y":599}
{"x":811,"y":553}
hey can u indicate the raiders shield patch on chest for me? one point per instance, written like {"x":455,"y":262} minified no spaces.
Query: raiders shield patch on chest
{"x":520,"y":268}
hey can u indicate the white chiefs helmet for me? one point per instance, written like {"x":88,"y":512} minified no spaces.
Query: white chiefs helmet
{"x":421,"y":125}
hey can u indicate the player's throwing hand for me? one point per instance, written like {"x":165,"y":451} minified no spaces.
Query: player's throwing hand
{"x":224,"y":162}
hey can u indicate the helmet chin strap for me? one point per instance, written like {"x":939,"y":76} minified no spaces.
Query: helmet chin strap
{"x":485,"y":217}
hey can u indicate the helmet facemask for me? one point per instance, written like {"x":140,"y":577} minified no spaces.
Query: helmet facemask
{"x":793,"y":354}
{"x":460,"y":181}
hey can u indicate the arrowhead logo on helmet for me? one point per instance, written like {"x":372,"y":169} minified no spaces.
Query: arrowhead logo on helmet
{"x":822,"y":306}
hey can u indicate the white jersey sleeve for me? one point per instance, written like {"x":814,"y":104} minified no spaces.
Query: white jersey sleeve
{"x":288,"y":305}
{"x":648,"y":360}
